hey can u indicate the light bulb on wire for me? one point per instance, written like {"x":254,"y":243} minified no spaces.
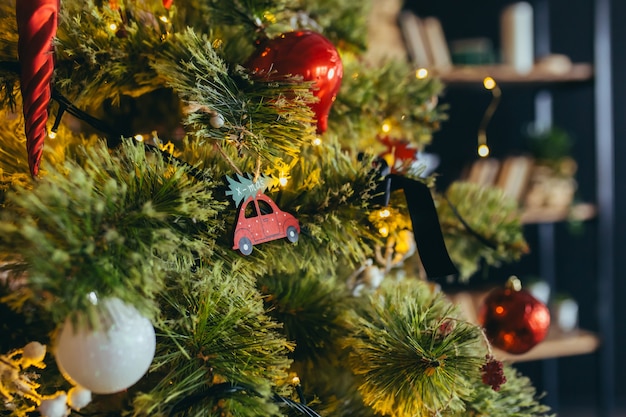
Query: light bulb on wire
{"x":490,"y":85}
{"x":421,"y":73}
{"x":283,"y":180}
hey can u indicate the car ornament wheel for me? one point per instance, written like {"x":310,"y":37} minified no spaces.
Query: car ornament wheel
{"x":292,"y":234}
{"x":245,"y":246}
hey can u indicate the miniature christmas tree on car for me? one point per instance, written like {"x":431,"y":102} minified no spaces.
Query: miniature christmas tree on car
{"x":147,"y":145}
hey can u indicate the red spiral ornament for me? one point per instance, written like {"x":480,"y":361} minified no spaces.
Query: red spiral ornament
{"x":37,"y":25}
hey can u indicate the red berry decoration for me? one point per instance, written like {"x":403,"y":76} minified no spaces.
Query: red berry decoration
{"x":492,"y":373}
{"x":309,"y":55}
{"x":513,"y":319}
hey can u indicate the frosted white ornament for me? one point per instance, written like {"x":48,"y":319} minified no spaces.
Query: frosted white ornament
{"x":78,"y":397}
{"x":112,"y":357}
{"x":34,"y":354}
{"x":217,"y":121}
{"x":54,"y":406}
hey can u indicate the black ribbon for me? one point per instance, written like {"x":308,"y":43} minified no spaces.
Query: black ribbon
{"x":425,"y":221}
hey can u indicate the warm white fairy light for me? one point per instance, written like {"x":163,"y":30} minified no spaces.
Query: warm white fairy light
{"x":163,"y":19}
{"x":113,"y":27}
{"x":283,"y":180}
{"x":93,"y":297}
{"x":317,"y":142}
{"x":52,"y":134}
{"x":384,"y":213}
{"x":483,"y":150}
{"x":383,"y":231}
{"x":421,"y":73}
{"x":139,"y":138}
{"x":489,"y":83}
{"x":386,"y":127}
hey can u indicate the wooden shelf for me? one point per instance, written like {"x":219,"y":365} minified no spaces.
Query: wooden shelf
{"x":578,"y":212}
{"x":505,"y":74}
{"x":556,"y":345}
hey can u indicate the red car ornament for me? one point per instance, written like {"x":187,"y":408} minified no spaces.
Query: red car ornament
{"x":260,"y":220}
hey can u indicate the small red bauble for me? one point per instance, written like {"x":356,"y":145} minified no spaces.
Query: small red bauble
{"x":307,"y":54}
{"x":513,"y":319}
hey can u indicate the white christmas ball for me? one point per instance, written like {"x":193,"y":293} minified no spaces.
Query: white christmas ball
{"x":112,"y":357}
{"x":217,"y":121}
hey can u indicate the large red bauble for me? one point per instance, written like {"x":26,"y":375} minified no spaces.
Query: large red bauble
{"x":513,"y":319}
{"x":307,"y":54}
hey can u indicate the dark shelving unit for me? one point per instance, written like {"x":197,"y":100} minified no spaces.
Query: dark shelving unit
{"x":598,"y":74}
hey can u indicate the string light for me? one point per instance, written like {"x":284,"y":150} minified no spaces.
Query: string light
{"x":113,"y":27}
{"x":139,"y":138}
{"x":93,"y":297}
{"x":421,"y":73}
{"x":163,"y":19}
{"x":295,"y":381}
{"x":384,"y":213}
{"x":386,"y":127}
{"x":490,"y":85}
{"x":317,"y":142}
{"x":57,"y":121}
{"x":269,"y":16}
{"x":283,"y":180}
{"x":384,"y":231}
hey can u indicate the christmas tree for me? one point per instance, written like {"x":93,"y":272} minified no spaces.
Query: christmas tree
{"x":223,"y":209}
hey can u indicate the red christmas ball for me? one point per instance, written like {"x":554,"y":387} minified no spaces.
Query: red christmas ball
{"x":513,"y":319}
{"x":307,"y":54}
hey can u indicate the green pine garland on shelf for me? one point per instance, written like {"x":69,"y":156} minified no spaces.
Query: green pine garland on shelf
{"x":492,"y":234}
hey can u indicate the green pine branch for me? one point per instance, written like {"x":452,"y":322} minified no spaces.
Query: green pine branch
{"x":516,"y":398}
{"x":413,"y":353}
{"x":214,"y":329}
{"x":495,"y":232}
{"x":107,"y":223}
{"x":370,"y":97}
{"x":311,"y":307}
{"x":267,"y":120}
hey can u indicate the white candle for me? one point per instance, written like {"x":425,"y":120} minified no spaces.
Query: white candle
{"x":516,"y":31}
